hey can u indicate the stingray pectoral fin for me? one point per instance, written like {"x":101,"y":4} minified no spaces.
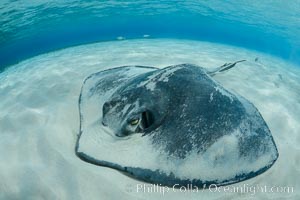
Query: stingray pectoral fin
{"x":95,"y":91}
{"x":103,"y":81}
{"x":223,"y":68}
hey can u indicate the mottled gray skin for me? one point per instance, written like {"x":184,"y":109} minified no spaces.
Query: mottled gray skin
{"x":183,"y":110}
{"x":140,"y":100}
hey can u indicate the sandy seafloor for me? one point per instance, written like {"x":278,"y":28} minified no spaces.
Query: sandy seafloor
{"x":39,"y":119}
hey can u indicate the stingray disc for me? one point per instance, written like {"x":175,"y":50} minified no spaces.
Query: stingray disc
{"x":171,"y":126}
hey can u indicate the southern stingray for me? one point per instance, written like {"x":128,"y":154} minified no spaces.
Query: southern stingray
{"x":172,"y":126}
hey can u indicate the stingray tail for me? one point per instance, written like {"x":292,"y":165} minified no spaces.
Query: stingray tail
{"x":223,"y":68}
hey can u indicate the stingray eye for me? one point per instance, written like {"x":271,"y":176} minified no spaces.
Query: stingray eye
{"x":134,"y":122}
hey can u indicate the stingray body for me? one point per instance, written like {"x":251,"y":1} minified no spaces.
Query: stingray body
{"x":172,"y":126}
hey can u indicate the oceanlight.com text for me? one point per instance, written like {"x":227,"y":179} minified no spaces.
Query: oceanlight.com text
{"x":176,"y":188}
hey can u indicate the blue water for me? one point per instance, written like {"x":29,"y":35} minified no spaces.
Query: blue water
{"x":29,"y":28}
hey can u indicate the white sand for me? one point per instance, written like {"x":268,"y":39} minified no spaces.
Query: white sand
{"x":39,"y":120}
